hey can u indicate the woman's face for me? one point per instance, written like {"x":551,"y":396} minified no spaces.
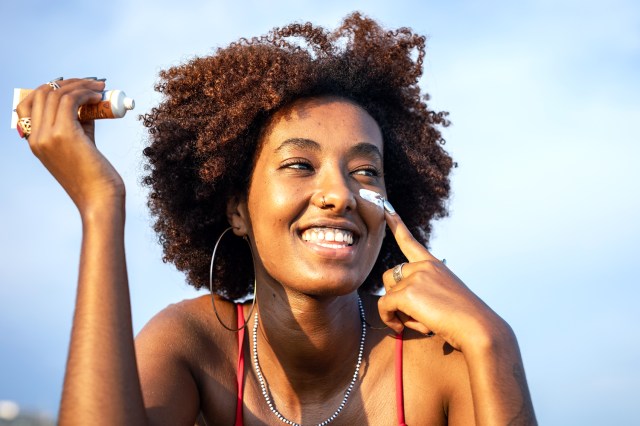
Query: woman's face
{"x":311,"y":230}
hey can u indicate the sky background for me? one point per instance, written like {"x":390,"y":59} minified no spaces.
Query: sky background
{"x":544,"y":216}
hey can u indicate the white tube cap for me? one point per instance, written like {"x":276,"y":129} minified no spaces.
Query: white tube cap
{"x":129,"y":104}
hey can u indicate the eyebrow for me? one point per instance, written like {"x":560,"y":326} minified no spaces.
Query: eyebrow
{"x":301,"y":143}
{"x":362,"y":148}
{"x":366,"y":149}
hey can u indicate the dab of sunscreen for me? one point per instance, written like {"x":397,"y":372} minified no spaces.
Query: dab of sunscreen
{"x":114,"y":104}
{"x":377,"y":199}
{"x":372,"y":197}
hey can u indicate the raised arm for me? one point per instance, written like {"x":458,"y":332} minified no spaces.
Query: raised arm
{"x":101,"y":384}
{"x":101,"y":380}
{"x":426,"y":296}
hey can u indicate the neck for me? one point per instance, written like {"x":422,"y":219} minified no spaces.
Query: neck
{"x":304,"y":338}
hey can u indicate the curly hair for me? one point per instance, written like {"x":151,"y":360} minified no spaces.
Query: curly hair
{"x":204,"y":135}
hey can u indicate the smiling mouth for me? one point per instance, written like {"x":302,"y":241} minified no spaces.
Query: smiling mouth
{"x":328,"y":237}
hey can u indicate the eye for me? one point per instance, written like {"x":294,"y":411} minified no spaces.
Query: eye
{"x":297,"y":164}
{"x":368,"y":171}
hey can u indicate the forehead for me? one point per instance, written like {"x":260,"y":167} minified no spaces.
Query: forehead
{"x":334,"y":123}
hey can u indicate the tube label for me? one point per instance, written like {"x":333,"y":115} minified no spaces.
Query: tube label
{"x":95,"y":111}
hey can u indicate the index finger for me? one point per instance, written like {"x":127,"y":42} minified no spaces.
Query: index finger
{"x":23,"y":98}
{"x":410,"y":247}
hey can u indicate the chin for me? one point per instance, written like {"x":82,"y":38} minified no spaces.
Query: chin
{"x":329,"y":289}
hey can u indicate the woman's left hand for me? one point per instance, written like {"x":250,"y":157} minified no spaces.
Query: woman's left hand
{"x":431,"y":298}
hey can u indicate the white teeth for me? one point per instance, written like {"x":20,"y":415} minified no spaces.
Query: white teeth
{"x":324,"y":236}
{"x":334,"y":245}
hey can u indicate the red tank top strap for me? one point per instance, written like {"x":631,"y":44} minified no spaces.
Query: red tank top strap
{"x":240,"y":367}
{"x":399,"y":384}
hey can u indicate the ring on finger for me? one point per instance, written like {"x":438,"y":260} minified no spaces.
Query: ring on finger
{"x":53,"y":85}
{"x":397,"y":272}
{"x":24,"y":127}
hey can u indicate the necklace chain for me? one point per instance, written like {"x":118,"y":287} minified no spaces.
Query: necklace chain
{"x":347,"y":393}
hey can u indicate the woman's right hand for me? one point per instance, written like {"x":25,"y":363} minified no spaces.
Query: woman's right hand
{"x":67,"y":147}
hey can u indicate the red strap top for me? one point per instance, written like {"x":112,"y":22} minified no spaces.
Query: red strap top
{"x":240,"y":373}
{"x":399,"y":386}
{"x":240,"y":369}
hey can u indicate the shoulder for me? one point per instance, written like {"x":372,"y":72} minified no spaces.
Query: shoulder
{"x":187,"y":328}
{"x":186,"y":360}
{"x":435,"y":374}
{"x":433,"y":357}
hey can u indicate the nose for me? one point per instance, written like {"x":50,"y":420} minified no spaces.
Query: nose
{"x":334,"y":194}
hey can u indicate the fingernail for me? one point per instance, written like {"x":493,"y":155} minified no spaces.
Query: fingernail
{"x":58,"y":79}
{"x":388,"y":207}
{"x":101,"y":79}
{"x":90,"y":78}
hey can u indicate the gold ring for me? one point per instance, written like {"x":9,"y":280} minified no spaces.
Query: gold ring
{"x":24,"y":127}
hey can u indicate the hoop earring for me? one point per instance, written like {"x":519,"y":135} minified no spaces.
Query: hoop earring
{"x":213,"y":302}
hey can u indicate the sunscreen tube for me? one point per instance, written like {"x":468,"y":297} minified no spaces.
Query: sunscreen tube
{"x":114,"y":104}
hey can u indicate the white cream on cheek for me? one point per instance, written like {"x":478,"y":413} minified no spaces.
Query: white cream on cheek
{"x":377,"y":199}
{"x":372,"y":197}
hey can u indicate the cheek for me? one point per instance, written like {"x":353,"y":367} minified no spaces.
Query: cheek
{"x":373,"y":217}
{"x":271,"y":204}
{"x":273,"y":208}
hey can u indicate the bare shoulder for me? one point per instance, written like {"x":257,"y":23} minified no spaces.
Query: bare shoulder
{"x":440,"y":372}
{"x":435,"y":358}
{"x":189,"y":332}
{"x":185,"y":360}
{"x":436,"y":379}
{"x":171,"y":323}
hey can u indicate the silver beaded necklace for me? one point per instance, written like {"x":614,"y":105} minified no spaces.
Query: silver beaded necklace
{"x":347,"y":393}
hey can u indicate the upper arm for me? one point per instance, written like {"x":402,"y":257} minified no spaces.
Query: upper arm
{"x":169,"y":388}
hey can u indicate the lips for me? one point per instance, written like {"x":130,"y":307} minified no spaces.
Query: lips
{"x":328,"y":237}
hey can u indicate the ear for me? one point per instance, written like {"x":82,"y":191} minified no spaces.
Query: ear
{"x":238,"y":215}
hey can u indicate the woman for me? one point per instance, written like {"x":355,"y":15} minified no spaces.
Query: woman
{"x":295,"y":148}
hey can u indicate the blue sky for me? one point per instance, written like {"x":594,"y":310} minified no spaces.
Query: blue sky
{"x":545,"y":102}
